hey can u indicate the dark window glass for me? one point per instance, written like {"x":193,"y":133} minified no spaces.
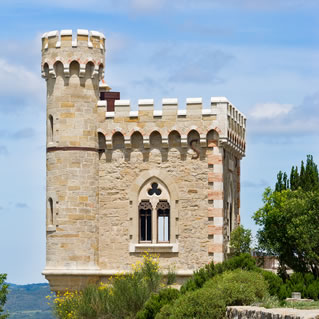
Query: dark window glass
{"x":145,"y":212}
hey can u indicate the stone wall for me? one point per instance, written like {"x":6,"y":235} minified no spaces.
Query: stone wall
{"x":247,"y":312}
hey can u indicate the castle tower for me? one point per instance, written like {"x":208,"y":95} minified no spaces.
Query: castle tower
{"x":122,"y":180}
{"x":72,"y":65}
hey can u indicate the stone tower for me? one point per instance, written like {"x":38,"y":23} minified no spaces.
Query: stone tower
{"x":125,"y":181}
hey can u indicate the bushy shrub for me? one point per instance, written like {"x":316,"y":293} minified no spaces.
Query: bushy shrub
{"x":121,"y":298}
{"x":199,"y":278}
{"x":313,"y":290}
{"x":165,"y":312}
{"x":243,"y":261}
{"x":284,"y":292}
{"x":201,"y":304}
{"x":64,"y":305}
{"x":92,"y":302}
{"x":273,"y":280}
{"x":306,"y":284}
{"x":239,"y":287}
{"x":156,"y":302}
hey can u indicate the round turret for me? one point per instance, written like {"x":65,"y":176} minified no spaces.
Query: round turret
{"x":73,"y":66}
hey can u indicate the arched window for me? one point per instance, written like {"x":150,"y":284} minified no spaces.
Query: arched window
{"x":101,"y":141}
{"x":145,"y":216}
{"x":154,"y":197}
{"x":163,"y":221}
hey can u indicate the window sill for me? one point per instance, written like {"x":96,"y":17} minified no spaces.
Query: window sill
{"x":153,"y":248}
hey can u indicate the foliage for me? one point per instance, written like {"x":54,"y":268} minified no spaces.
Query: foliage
{"x":243,"y":261}
{"x":307,"y":179}
{"x":66,"y":304}
{"x":202,"y":303}
{"x":121,"y":298}
{"x":306,"y":284}
{"x":3,"y":294}
{"x":274,"y":282}
{"x":270,"y":302}
{"x":274,"y":302}
{"x":238,"y":287}
{"x":288,"y":222}
{"x":171,"y":276}
{"x":240,"y":240}
{"x":156,"y":302}
{"x":199,"y":277}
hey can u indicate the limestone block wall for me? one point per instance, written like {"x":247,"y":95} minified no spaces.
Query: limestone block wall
{"x":190,"y":152}
{"x":72,"y":66}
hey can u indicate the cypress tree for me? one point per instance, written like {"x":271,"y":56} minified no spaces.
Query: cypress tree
{"x":302,"y":175}
{"x":285,"y":182}
{"x":307,"y":179}
{"x":279,"y":185}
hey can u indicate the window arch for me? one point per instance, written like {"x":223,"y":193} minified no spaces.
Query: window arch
{"x":154,"y":197}
{"x":101,"y":141}
{"x":138,"y":192}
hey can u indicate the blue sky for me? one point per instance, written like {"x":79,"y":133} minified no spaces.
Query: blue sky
{"x":262,"y":55}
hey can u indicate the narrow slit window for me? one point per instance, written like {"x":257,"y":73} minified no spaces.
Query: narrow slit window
{"x":231,"y":218}
{"x":50,"y":211}
{"x":50,"y":128}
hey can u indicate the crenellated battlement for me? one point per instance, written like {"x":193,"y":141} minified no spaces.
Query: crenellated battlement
{"x":220,"y":116}
{"x":66,"y":38}
{"x":87,"y":48}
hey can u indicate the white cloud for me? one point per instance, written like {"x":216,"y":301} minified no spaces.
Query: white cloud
{"x":18,"y":86}
{"x":270,"y":110}
{"x":285,"y":120}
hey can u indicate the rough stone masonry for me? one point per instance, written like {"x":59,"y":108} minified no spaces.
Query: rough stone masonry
{"x":127,"y":180}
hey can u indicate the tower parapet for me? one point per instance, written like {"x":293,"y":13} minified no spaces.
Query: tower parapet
{"x":84,"y":47}
{"x":220,"y":115}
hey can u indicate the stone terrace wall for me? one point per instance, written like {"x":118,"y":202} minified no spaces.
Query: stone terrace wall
{"x":246,"y":312}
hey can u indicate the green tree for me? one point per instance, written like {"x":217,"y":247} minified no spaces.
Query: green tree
{"x":289,"y":227}
{"x":307,"y":179}
{"x":3,"y":294}
{"x":240,"y":240}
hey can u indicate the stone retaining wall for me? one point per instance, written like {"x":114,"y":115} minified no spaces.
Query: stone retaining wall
{"x":246,"y":312}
